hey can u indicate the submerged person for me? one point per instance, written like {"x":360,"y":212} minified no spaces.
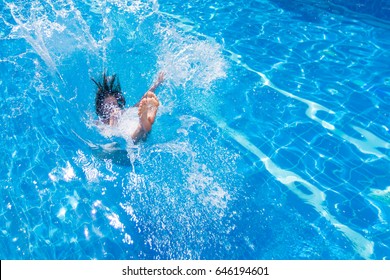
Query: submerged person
{"x":134,"y":122}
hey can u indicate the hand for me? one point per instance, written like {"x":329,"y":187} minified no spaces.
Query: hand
{"x":161,"y":77}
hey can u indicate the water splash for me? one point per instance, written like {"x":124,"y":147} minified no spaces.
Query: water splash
{"x":170,"y":205}
{"x":188,"y":60}
{"x":140,"y":8}
{"x":53,"y":29}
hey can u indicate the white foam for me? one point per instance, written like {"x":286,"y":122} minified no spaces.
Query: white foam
{"x":127,"y":239}
{"x":66,"y":173}
{"x":138,"y":7}
{"x":53,"y":30}
{"x":114,"y":221}
{"x":61,"y":213}
{"x":127,"y":124}
{"x":90,"y":167}
{"x":69,"y":173}
{"x":187,"y":60}
{"x":73,"y":200}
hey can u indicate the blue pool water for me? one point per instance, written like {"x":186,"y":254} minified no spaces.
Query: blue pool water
{"x":272,"y":140}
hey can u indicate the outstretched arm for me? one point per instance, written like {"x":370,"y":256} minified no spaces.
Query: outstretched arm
{"x":158,"y":82}
{"x":152,"y":89}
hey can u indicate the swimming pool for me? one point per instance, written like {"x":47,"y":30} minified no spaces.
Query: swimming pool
{"x":272,"y":139}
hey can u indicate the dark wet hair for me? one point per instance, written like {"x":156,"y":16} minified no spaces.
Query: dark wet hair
{"x":109,"y":87}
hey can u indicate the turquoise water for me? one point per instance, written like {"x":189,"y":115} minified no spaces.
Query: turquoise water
{"x":272,"y":140}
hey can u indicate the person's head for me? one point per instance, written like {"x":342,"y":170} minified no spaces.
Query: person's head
{"x":109,"y":97}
